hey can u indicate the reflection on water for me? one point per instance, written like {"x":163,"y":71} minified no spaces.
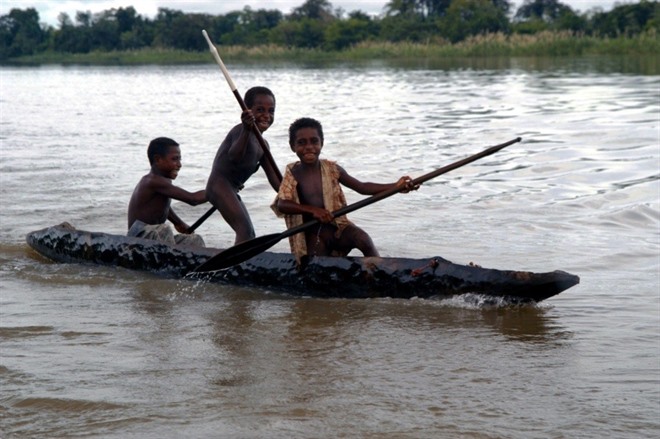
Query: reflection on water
{"x":527,"y":324}
{"x":98,"y":351}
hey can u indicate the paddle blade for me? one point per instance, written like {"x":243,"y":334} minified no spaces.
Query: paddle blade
{"x":239,"y":253}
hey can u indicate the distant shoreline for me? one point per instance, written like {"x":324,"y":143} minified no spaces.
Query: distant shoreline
{"x":552,"y":44}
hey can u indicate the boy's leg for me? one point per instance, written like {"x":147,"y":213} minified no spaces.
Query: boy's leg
{"x":319,"y":240}
{"x":354,"y":237}
{"x":236,"y":215}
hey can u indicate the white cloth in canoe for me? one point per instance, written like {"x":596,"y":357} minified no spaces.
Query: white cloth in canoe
{"x":163,"y":232}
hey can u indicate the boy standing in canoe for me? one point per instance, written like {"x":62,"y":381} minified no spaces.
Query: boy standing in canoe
{"x":240,"y":156}
{"x":311,"y":189}
{"x":149,"y":207}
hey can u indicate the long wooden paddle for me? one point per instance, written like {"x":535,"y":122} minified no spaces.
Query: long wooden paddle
{"x":241,"y":102}
{"x":244,"y":107}
{"x":245,"y":250}
{"x":201,"y":219}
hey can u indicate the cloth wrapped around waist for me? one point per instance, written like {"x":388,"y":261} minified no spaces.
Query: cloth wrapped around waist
{"x":163,"y":233}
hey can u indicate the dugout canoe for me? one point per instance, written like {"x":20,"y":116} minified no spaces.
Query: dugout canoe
{"x":350,"y":277}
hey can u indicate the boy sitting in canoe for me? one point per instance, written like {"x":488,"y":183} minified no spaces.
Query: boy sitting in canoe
{"x":240,"y":156}
{"x":149,"y":207}
{"x":311,"y":189}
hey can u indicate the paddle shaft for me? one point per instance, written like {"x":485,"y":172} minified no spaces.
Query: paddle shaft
{"x":201,"y":220}
{"x":241,"y":102}
{"x":245,"y":250}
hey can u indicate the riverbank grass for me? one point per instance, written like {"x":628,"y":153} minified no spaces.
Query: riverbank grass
{"x":489,"y":45}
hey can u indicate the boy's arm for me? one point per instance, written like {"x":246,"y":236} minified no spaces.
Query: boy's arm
{"x":271,"y":173}
{"x":368,"y":188}
{"x":165,"y":187}
{"x":292,"y":208}
{"x":238,"y":146}
{"x":178,"y":223}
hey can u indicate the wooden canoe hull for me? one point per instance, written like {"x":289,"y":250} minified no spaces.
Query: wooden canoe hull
{"x":351,"y":277}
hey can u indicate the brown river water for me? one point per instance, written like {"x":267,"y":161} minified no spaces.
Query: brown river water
{"x":89,"y":351}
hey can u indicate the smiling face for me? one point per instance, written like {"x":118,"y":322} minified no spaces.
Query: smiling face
{"x":263,"y":110}
{"x":307,"y":145}
{"x":168,"y":165}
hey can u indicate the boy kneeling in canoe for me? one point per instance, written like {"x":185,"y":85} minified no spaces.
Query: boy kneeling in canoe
{"x":311,"y":190}
{"x":149,"y":207}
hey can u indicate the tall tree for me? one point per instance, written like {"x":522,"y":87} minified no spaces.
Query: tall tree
{"x":544,"y":10}
{"x":304,"y":33}
{"x":84,"y":18}
{"x":127,"y":19}
{"x":224,"y":28}
{"x":503,"y":5}
{"x":344,"y":33}
{"x":538,"y":15}
{"x":105,"y":31}
{"x":63,"y":20}
{"x":465,"y":18}
{"x":165,"y":18}
{"x":629,"y":19}
{"x":20,"y":33}
{"x":421,"y":8}
{"x":314,"y":10}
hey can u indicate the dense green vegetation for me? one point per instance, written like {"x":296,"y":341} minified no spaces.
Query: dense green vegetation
{"x":408,"y":28}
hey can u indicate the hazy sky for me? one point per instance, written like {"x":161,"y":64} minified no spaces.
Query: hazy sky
{"x":50,"y":9}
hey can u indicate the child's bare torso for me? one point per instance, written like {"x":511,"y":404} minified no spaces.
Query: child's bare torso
{"x":236,"y":172}
{"x":310,"y":185}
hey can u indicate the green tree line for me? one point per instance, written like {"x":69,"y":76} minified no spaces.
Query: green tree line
{"x":315,"y":24}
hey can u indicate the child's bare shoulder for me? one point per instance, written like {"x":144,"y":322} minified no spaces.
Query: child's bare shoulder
{"x":153,"y":182}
